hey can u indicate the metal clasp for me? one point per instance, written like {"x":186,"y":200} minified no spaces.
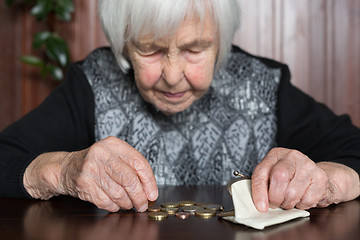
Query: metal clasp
{"x":239,"y":177}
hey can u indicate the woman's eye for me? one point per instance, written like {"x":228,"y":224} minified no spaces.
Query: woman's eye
{"x":193,"y":51}
{"x":150,"y":53}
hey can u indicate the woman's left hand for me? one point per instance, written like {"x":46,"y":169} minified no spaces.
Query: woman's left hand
{"x":287,"y":178}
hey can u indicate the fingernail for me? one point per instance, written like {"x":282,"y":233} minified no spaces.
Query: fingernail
{"x":143,"y":208}
{"x":262,"y":207}
{"x":153,"y":195}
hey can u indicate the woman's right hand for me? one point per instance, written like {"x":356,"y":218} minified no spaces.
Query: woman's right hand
{"x":111,"y":174}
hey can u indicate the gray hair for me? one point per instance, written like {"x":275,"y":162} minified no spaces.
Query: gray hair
{"x":123,"y":20}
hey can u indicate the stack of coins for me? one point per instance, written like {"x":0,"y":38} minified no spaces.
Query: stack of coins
{"x":191,"y":209}
{"x":186,"y":203}
{"x":154,"y":209}
{"x":205,"y":213}
{"x":170,"y":210}
{"x":158,"y":215}
{"x":215,"y":207}
{"x":184,"y":209}
{"x":170,"y":205}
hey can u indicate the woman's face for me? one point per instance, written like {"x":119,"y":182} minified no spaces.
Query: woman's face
{"x":173,"y":72}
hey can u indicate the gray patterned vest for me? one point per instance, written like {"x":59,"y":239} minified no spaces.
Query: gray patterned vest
{"x":231,"y":127}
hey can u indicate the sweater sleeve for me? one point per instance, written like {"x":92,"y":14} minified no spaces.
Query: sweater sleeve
{"x":63,"y":122}
{"x":313,"y":129}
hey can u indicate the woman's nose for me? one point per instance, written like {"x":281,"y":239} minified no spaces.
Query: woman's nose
{"x":173,"y":70}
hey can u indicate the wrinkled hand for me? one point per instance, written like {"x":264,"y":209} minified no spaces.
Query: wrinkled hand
{"x":111,"y":174}
{"x":287,"y":178}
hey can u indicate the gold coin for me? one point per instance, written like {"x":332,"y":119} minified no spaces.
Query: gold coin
{"x":154,"y":209}
{"x":205,"y":213}
{"x":215,"y":207}
{"x":201,"y":204}
{"x":169,"y":210}
{"x":191,"y":209}
{"x":158,"y":215}
{"x":230,"y":213}
{"x":170,"y":205}
{"x":186,"y":203}
{"x":182,"y":215}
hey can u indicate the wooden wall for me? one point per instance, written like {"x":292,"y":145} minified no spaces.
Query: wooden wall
{"x":21,"y":88}
{"x":319,"y":39}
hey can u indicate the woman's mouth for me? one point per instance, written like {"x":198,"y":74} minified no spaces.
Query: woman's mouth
{"x":174,"y":95}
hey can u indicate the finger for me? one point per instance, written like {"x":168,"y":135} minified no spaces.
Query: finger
{"x":295,"y":192}
{"x":136,"y":193}
{"x":137,"y":162}
{"x":311,"y":198}
{"x":126,"y":177}
{"x":323,"y":203}
{"x":100,"y":199}
{"x":306,"y":188}
{"x":259,"y":186}
{"x":115,"y":192}
{"x":143,"y":170}
{"x":260,"y":182}
{"x":318,"y":192}
{"x":289,"y":179}
{"x":146,"y":176}
{"x":280,"y":177}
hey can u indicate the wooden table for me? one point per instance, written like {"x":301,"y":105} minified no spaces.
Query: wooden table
{"x":68,"y":218}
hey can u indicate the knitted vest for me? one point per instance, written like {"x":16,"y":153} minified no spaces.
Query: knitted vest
{"x":231,"y":127}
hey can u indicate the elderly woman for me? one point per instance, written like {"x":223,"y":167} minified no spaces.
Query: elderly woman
{"x":174,"y":103}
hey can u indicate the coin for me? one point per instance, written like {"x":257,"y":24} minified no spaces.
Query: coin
{"x":201,"y":204}
{"x":182,"y":215}
{"x":169,"y":210}
{"x":170,"y":204}
{"x":151,"y":203}
{"x":158,"y":215}
{"x":227,"y":214}
{"x":205,"y":213}
{"x":186,"y":203}
{"x":215,"y":207}
{"x":154,"y":209}
{"x":191,"y":209}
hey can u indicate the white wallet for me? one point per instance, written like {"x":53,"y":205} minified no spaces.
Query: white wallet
{"x":247,"y":214}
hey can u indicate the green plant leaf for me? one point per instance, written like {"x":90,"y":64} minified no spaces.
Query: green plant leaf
{"x":63,"y":15}
{"x":63,"y":9}
{"x":55,"y":72}
{"x":57,"y":50}
{"x":40,"y":39}
{"x":67,"y":5}
{"x":54,"y":46}
{"x":41,"y":9}
{"x":32,"y":60}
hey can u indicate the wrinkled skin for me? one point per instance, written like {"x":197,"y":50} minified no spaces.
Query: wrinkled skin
{"x":111,"y":174}
{"x":173,"y":72}
{"x":287,"y":178}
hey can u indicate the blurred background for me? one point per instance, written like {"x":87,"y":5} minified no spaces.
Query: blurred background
{"x":318,"y":39}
